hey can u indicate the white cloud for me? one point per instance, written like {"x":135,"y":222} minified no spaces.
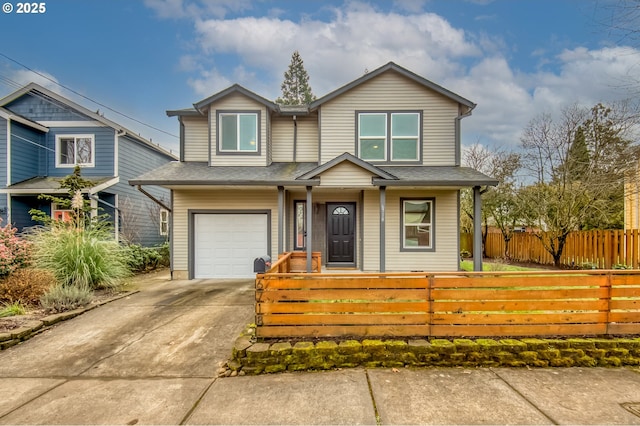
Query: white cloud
{"x":360,"y":36}
{"x":44,"y":79}
{"x":177,"y":9}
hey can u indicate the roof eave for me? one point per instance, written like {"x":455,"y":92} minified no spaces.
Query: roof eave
{"x":166,"y":182}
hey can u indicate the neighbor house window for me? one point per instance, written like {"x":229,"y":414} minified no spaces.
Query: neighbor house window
{"x":164,"y":222}
{"x":417,"y":223}
{"x":72,"y":150}
{"x":61,"y":214}
{"x":300,"y":237}
{"x":238,"y":132}
{"x":393,"y":136}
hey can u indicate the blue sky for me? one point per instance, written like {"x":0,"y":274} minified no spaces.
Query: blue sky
{"x":514,"y":58}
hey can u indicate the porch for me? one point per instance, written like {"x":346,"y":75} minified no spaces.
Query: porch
{"x":445,"y":304}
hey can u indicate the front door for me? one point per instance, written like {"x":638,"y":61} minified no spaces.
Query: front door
{"x":341,"y":233}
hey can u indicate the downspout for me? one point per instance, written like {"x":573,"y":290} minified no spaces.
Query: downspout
{"x":154,"y":199}
{"x":295,"y":138}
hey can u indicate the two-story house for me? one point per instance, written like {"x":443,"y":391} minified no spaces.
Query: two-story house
{"x":369,"y":175}
{"x":44,"y":135}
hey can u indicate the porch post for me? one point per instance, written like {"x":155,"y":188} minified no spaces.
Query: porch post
{"x":383,"y":204}
{"x":477,"y":229}
{"x":280,"y":219}
{"x":309,"y":228}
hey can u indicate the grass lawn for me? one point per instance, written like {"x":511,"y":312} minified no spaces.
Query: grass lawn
{"x":467,"y":265}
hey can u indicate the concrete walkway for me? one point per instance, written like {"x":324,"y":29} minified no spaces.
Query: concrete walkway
{"x":152,"y":358}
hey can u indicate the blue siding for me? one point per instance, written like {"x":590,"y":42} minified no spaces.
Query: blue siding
{"x":3,"y":169}
{"x":139,"y":213}
{"x":38,"y":108}
{"x":20,"y":206}
{"x":26,"y":156}
{"x":104,"y":155}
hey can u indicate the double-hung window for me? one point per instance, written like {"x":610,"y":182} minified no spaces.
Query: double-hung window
{"x":72,"y":150}
{"x":417,"y":224}
{"x":238,"y":132}
{"x":389,"y":136}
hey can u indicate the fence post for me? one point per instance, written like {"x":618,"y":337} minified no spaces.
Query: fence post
{"x":430,"y":282}
{"x":608,"y":284}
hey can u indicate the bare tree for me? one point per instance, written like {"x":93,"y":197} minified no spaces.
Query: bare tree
{"x":499,"y":205}
{"x":566,"y":194}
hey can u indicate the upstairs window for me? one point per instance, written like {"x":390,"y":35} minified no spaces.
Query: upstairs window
{"x":238,"y":133}
{"x":72,"y":150}
{"x":389,"y":137}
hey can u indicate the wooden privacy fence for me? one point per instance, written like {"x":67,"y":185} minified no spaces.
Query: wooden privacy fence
{"x":554,"y":303}
{"x":602,"y":249}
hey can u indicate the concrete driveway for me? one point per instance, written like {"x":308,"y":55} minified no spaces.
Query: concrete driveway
{"x":152,"y":358}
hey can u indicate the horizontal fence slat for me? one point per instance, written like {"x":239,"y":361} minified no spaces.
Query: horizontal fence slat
{"x":517,"y":330}
{"x":339,"y":294}
{"x":519,"y":319}
{"x":304,"y":307}
{"x":625,"y":292}
{"x":624,"y":328}
{"x":448,"y":304}
{"x":342,"y":331}
{"x":625,"y":304}
{"x":624,"y":316}
{"x":477,"y":294}
{"x":348,"y":282}
{"x":522,"y":281}
{"x":345,"y":319}
{"x":520,"y":305}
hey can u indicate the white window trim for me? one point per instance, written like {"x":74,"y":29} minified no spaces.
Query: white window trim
{"x":164,"y":222}
{"x":238,"y":150}
{"x":417,"y":137}
{"x":76,"y":136}
{"x":56,"y":208}
{"x":383,"y":139}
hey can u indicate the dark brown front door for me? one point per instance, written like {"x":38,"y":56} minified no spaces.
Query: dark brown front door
{"x":341,"y":221}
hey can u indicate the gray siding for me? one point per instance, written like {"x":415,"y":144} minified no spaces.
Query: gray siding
{"x":26,"y":157}
{"x":139,"y":220}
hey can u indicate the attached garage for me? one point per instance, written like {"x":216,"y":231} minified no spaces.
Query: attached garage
{"x":226,"y":243}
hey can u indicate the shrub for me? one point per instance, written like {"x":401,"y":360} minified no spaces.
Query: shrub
{"x":14,"y":251}
{"x":26,"y":286}
{"x":66,"y":298}
{"x":83,"y":257}
{"x":142,"y":259}
{"x":10,"y":310}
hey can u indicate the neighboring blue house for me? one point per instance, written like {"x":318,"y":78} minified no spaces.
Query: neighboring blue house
{"x":44,"y":135}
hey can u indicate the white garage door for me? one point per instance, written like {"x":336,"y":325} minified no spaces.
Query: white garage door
{"x":225,"y":245}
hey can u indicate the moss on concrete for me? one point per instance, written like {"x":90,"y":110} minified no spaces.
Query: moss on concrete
{"x":262,"y":357}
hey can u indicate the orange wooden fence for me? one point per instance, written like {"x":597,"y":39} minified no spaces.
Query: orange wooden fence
{"x":548,"y":303}
{"x":602,"y":249}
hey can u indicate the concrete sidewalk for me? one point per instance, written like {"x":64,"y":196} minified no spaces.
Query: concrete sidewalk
{"x":152,"y":358}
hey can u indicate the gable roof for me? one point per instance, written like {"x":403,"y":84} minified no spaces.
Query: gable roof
{"x":37,"y":90}
{"x":10,"y":115}
{"x":346,"y":157}
{"x":391,"y":66}
{"x":236,"y":88}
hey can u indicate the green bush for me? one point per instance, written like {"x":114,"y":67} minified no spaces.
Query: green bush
{"x":82,"y":257}
{"x":10,"y":310}
{"x":66,"y":298}
{"x":141,"y":259}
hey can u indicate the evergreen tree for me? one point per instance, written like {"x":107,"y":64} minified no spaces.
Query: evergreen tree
{"x":295,"y":88}
{"x":578,"y":157}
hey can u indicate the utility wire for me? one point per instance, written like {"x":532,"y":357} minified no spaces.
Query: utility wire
{"x":85,"y":97}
